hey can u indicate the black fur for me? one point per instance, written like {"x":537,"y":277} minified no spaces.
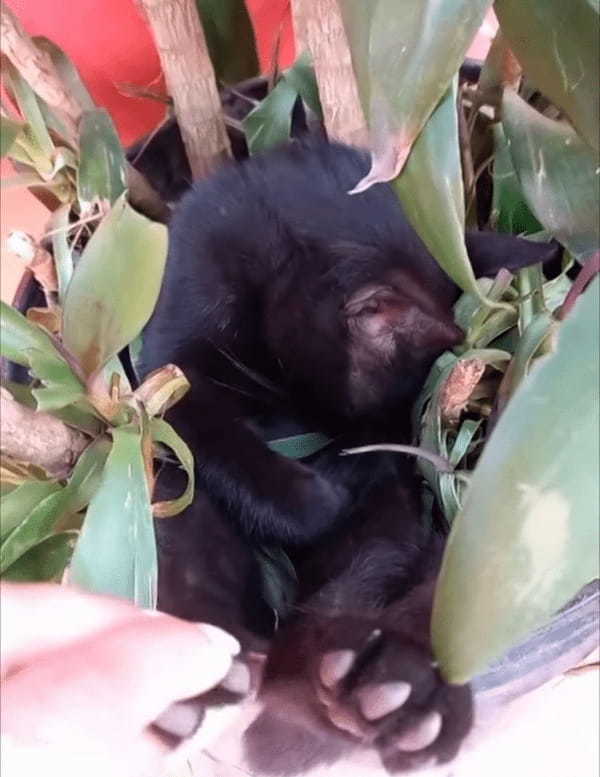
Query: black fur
{"x":295,"y":307}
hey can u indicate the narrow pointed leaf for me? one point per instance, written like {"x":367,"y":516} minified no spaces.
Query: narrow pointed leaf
{"x":404,"y":56}
{"x":558,"y":44}
{"x":115,"y":286}
{"x":558,"y":173}
{"x":527,"y":538}
{"x":116,"y":550}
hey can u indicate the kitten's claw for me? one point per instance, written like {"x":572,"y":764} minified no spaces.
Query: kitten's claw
{"x":377,"y":700}
{"x":421,"y":735}
{"x":335,"y":666}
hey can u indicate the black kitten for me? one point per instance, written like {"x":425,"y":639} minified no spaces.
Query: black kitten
{"x":294,"y":307}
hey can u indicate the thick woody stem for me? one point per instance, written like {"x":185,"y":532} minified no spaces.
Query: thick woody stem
{"x":190,"y":81}
{"x":38,"y":438}
{"x":318,"y":27}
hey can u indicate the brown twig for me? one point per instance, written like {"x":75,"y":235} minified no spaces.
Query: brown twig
{"x":38,"y":438}
{"x":318,"y":27}
{"x":190,"y":81}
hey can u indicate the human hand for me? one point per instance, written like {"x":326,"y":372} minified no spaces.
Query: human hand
{"x":84,"y":677}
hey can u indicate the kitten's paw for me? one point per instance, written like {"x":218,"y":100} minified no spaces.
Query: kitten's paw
{"x":384,"y":690}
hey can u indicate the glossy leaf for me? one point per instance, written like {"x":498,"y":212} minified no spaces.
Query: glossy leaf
{"x":116,"y":551}
{"x":44,"y":562}
{"x":558,"y":174}
{"x":115,"y":286}
{"x":101,"y":174}
{"x":230,"y":39}
{"x":430,"y":189}
{"x":162,"y":432}
{"x":9,"y":131}
{"x":557,"y":43}
{"x":527,"y":538}
{"x":404,"y":57}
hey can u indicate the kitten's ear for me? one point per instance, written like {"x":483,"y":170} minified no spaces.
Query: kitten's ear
{"x":489,"y":252}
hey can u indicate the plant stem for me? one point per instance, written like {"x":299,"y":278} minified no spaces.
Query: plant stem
{"x":190,"y":81}
{"x":318,"y":27}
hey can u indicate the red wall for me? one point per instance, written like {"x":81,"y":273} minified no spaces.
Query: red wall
{"x":111,"y":44}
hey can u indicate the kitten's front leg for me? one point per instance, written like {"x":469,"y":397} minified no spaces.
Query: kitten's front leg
{"x":274,"y":499}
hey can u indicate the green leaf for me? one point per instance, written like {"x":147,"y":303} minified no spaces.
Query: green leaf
{"x":9,"y":131}
{"x":116,"y":550}
{"x":463,"y":440}
{"x":115,"y":286}
{"x":61,"y":250}
{"x":510,"y":212}
{"x":558,"y":174}
{"x":86,"y":476}
{"x":557,"y":43}
{"x":17,"y":505}
{"x":44,"y":562}
{"x":101,"y":174}
{"x":269,"y":124}
{"x":404,"y":56}
{"x":35,"y":527}
{"x":27,"y":344}
{"x":301,"y":76}
{"x":430,"y":189}
{"x":527,"y":538}
{"x":540,"y":328}
{"x":162,"y":432}
{"x":230,"y":39}
{"x":299,"y":446}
